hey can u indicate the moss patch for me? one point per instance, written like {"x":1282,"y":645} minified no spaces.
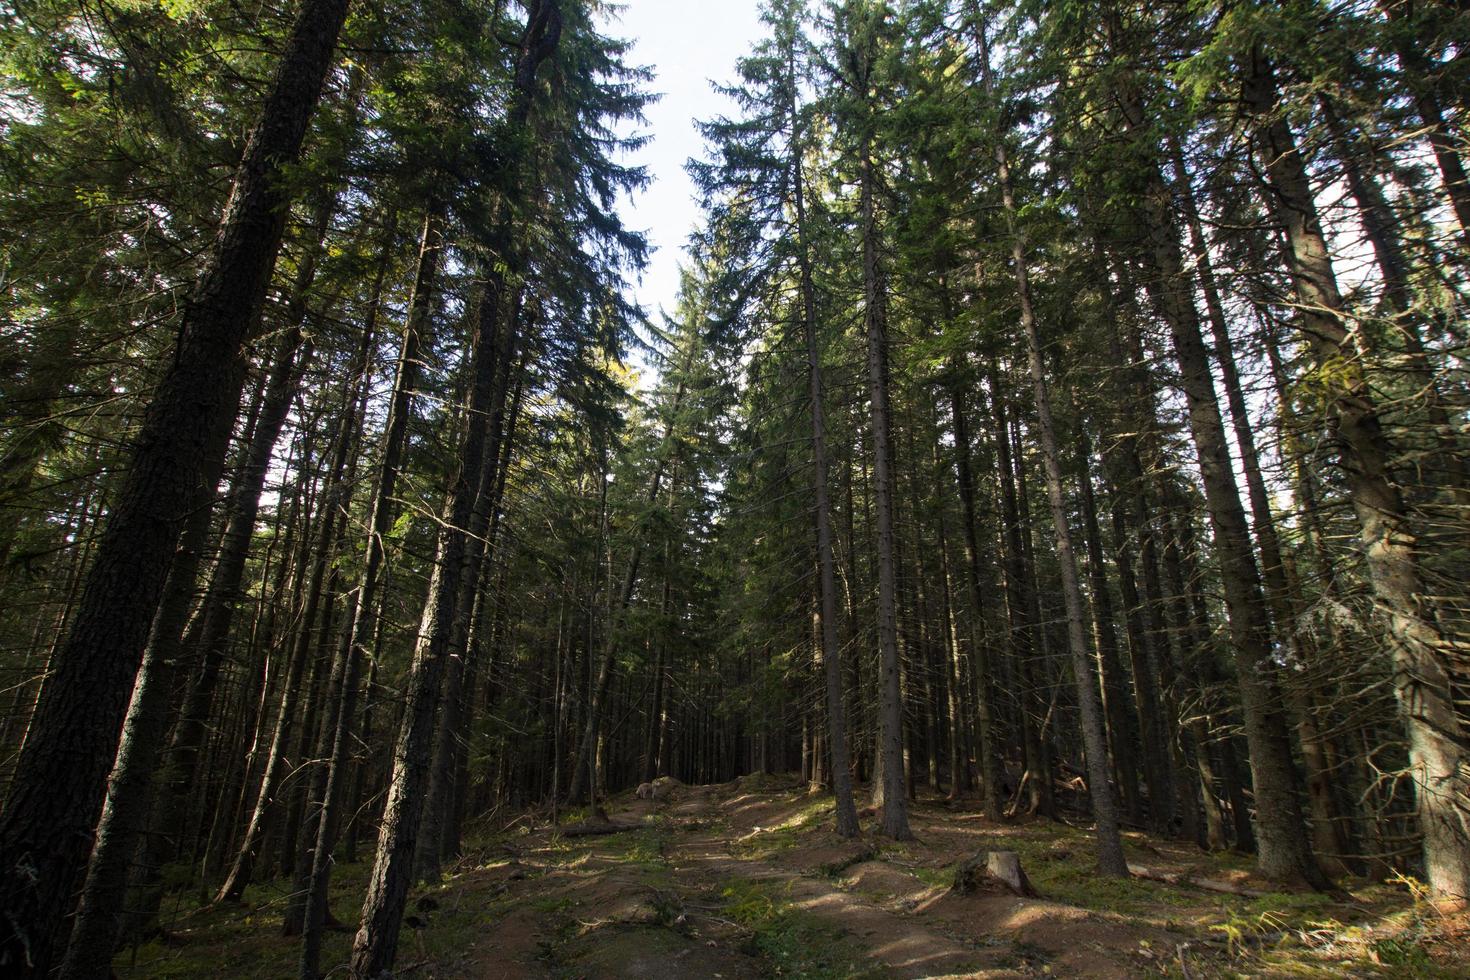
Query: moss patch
{"x":789,"y":942}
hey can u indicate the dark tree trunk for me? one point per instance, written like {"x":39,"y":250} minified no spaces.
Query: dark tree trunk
{"x":1285,"y":853}
{"x":375,"y":946}
{"x":831,"y":649}
{"x":1020,"y":607}
{"x":1094,"y":739}
{"x":95,"y":933}
{"x":1122,"y":719}
{"x":990,"y":784}
{"x":895,"y":822}
{"x":1417,"y":645}
{"x":60,"y":778}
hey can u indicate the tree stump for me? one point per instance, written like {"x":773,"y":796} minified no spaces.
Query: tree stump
{"x":1002,"y":867}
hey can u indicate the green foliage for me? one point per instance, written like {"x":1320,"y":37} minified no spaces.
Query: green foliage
{"x":790,"y":943}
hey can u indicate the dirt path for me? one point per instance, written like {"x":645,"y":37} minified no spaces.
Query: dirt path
{"x":746,"y":880}
{"x":725,"y":882}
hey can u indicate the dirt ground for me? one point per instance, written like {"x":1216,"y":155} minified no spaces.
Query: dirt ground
{"x":746,"y":880}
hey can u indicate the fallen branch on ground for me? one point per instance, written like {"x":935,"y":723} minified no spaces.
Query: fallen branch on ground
{"x":1187,"y":881}
{"x":597,"y":828}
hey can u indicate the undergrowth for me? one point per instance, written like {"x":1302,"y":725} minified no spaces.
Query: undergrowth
{"x":789,"y":942}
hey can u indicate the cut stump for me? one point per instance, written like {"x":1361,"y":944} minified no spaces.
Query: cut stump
{"x":1001,"y":867}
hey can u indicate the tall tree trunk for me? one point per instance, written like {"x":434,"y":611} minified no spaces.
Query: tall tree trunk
{"x":1020,"y":607}
{"x":1089,"y":705}
{"x":362,"y":623}
{"x":1285,"y":852}
{"x":831,"y":649}
{"x":1328,"y":839}
{"x":95,"y":932}
{"x":1426,"y":100}
{"x":60,"y":777}
{"x":1417,"y":646}
{"x":990,"y":782}
{"x":376,"y":944}
{"x":895,"y":822}
{"x":1122,"y":719}
{"x":441,"y":773}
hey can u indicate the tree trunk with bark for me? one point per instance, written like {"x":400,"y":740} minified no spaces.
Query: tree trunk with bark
{"x":1284,"y":851}
{"x":375,"y":946}
{"x":847,"y":820}
{"x":1417,"y":646}
{"x":57,"y":791}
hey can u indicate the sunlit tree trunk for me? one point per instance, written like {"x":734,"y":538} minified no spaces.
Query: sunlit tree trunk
{"x":1416,"y":643}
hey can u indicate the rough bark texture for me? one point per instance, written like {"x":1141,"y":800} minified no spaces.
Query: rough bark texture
{"x":1094,"y":739}
{"x":990,"y":789}
{"x":1327,"y":835}
{"x":376,"y":943}
{"x":1417,"y":646}
{"x":375,"y":946}
{"x":847,"y":820}
{"x":1118,"y":704}
{"x":98,"y":924}
{"x":60,"y":777}
{"x":895,"y":821}
{"x":1285,"y":853}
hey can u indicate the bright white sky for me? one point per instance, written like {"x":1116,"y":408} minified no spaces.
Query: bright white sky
{"x":687,"y":44}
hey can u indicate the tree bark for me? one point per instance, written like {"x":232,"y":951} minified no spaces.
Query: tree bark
{"x":1089,"y":705}
{"x":375,"y":946}
{"x":95,"y":932}
{"x":1417,"y":646}
{"x":57,"y":792}
{"x":895,"y":822}
{"x":847,"y":820}
{"x":1120,"y":713}
{"x":990,"y":788}
{"x":1284,"y":853}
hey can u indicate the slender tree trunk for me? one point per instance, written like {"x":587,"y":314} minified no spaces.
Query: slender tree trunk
{"x":375,"y":946}
{"x":317,"y":584}
{"x":1417,"y":646}
{"x":990,"y":782}
{"x":1020,"y":606}
{"x":584,"y":771}
{"x":362,"y":623}
{"x":441,"y":773}
{"x":60,"y":778}
{"x":831,"y":649}
{"x":1094,"y":739}
{"x":1328,"y":839}
{"x":895,"y":822}
{"x":1427,"y":104}
{"x":1119,"y":706}
{"x":1285,"y":853}
{"x":98,"y":922}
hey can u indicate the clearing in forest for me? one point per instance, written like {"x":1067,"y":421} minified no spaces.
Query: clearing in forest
{"x":746,"y":880}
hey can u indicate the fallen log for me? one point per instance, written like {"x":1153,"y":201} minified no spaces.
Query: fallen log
{"x":596,"y":828}
{"x":1182,"y":880}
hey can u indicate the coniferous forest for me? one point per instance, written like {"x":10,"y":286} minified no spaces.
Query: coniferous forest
{"x":1035,"y":541}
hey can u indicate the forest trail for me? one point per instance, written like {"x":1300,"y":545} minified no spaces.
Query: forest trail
{"x":745,"y":880}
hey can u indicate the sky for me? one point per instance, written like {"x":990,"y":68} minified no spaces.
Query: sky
{"x":686,"y":44}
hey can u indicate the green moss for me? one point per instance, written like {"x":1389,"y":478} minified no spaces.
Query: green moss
{"x":764,"y":782}
{"x":646,"y":848}
{"x":940,"y":877}
{"x":789,"y":942}
{"x":768,"y":842}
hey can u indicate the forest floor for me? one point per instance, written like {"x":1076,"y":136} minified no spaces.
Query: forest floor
{"x":746,"y":880}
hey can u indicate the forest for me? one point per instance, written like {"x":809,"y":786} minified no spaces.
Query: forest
{"x":1058,"y":453}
